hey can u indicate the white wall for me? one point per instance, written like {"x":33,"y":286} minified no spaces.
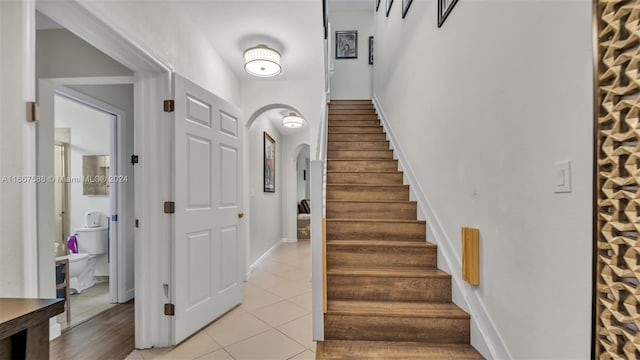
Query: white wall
{"x":303,"y":95}
{"x":62,"y":54}
{"x":482,"y":108}
{"x":16,"y":135}
{"x":165,"y":29}
{"x":266,"y":208}
{"x":352,"y":78}
{"x":90,"y":131}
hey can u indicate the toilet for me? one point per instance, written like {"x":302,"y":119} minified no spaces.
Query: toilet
{"x":93,"y":240}
{"x":81,"y":269}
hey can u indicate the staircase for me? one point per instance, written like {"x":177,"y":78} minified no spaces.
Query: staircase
{"x":386,"y":297}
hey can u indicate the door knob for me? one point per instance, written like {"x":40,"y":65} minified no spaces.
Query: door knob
{"x":240,"y":215}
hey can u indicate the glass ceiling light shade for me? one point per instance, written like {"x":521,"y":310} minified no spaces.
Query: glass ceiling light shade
{"x":262,"y":61}
{"x":292,"y":121}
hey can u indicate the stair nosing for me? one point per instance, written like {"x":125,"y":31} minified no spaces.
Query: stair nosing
{"x":372,"y":159}
{"x":364,"y":172}
{"x":361,"y":310}
{"x":387,"y":272}
{"x":329,"y":347}
{"x":368,"y":185}
{"x":358,"y":159}
{"x":382,"y":243}
{"x":377,"y":220}
{"x":376,"y":201}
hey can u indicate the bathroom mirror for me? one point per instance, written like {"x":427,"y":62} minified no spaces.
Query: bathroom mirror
{"x":95,"y":175}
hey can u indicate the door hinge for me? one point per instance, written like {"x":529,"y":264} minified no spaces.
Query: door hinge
{"x":137,"y":223}
{"x":169,"y":207}
{"x":169,"y":105}
{"x":114,"y":217}
{"x":134,"y":159}
{"x":169,"y":309}
{"x":33,"y":111}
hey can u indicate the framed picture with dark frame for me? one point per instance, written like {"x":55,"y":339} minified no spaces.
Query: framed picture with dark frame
{"x":405,"y":7}
{"x":347,"y":44}
{"x":377,"y":4}
{"x":269,"y":164}
{"x":370,"y":50}
{"x":389,"y":3}
{"x":444,"y":9}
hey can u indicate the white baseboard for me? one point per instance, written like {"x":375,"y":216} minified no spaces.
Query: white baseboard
{"x":262,"y":257}
{"x":488,"y":339}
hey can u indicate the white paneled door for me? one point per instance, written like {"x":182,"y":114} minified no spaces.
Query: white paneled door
{"x":208,"y":239}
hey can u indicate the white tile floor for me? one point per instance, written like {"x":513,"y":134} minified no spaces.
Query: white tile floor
{"x":273,"y":322}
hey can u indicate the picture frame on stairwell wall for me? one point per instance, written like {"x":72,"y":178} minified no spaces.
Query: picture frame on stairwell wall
{"x":405,"y":7}
{"x":444,"y":9}
{"x":370,"y":50}
{"x":389,"y":3}
{"x":347,"y":44}
{"x":269,"y":171}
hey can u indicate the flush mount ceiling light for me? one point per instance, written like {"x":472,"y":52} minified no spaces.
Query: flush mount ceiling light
{"x":262,"y":61}
{"x":292,"y":121}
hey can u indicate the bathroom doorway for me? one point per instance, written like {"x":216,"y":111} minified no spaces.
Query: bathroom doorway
{"x":89,"y":192}
{"x":85,"y":197}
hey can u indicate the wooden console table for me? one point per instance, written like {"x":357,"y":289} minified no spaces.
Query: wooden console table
{"x":24,"y":327}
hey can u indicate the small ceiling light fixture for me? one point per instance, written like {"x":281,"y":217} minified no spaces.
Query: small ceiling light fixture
{"x":292,"y":121}
{"x":262,"y":61}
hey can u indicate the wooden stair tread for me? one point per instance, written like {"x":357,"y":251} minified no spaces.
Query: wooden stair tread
{"x":374,"y":201}
{"x":363,"y":172}
{"x":395,"y":350}
{"x":380,"y":271}
{"x":367,"y":185}
{"x":363,"y":159}
{"x":382,"y":243}
{"x":396,"y":309}
{"x":377,"y":220}
{"x":369,"y":159}
{"x":350,"y":101}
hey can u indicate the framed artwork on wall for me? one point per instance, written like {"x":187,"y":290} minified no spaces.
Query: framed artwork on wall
{"x":389,"y":3}
{"x":347,"y":44}
{"x":269,"y":164}
{"x":377,"y":4}
{"x":370,"y":50}
{"x":405,"y":7}
{"x":444,"y":9}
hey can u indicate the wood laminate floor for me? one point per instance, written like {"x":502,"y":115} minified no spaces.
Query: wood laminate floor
{"x":109,"y":335}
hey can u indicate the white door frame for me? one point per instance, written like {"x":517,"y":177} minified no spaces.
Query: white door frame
{"x":46,"y":90}
{"x":152,"y":84}
{"x":118,"y":193}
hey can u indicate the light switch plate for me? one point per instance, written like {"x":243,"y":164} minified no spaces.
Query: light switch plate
{"x":563,"y":177}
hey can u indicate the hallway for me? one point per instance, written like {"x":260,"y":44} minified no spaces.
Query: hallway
{"x":273,"y":322}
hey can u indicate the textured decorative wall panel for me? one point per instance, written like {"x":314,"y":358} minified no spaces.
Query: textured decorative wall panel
{"x":617,"y":257}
